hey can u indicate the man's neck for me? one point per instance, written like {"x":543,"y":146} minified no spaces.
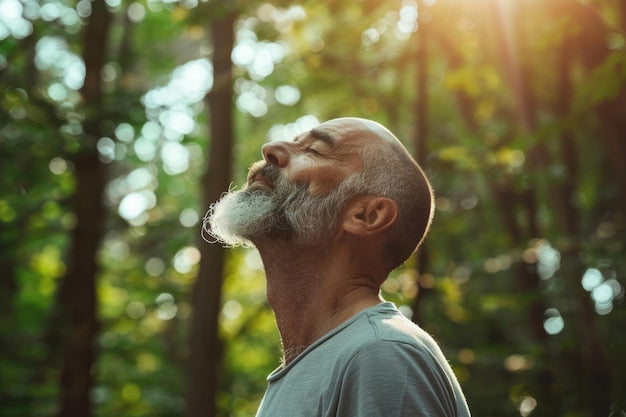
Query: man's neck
{"x":311,"y":293}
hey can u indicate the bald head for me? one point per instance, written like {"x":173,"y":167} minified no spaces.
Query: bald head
{"x":347,"y":127}
{"x":388,"y":170}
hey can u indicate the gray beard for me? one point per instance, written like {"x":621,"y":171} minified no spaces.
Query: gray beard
{"x":287,"y":212}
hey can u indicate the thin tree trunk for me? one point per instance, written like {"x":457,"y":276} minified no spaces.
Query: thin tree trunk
{"x":420,"y":142}
{"x":206,"y":349}
{"x":77,"y":298}
{"x":596,"y":374}
{"x":612,"y":114}
{"x":590,"y":45}
{"x":9,"y":243}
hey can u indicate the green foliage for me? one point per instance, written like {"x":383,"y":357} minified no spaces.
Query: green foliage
{"x":497,"y":156}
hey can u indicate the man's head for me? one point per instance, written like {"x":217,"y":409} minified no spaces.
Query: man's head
{"x":349,"y":174}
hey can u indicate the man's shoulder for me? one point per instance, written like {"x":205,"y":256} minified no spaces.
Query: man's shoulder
{"x":390,"y":325}
{"x":380,"y":330}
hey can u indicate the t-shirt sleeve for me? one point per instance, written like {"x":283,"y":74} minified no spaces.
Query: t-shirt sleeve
{"x":395,"y":379}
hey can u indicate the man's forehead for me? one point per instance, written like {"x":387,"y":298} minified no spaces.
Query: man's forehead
{"x":343,"y":125}
{"x":358,"y":124}
{"x":347,"y":129}
{"x":335,"y":130}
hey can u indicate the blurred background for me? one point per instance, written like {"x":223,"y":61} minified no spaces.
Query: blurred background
{"x":121,"y":121}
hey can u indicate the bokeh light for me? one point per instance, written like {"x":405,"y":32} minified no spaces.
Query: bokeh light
{"x":290,"y":130}
{"x":287,"y":95}
{"x":553,"y":323}
{"x":12,"y":22}
{"x":527,"y":405}
{"x":57,"y":165}
{"x":135,"y":310}
{"x":154,"y":266}
{"x":189,"y":217}
{"x":166,"y":306}
{"x":603,"y":291}
{"x":185,"y":259}
{"x":53,"y":54}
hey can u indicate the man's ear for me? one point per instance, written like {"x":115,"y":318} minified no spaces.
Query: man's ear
{"x":368,"y":215}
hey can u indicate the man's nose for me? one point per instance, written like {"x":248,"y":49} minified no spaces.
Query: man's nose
{"x":276,"y":153}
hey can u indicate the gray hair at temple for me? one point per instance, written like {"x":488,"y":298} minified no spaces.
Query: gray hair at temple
{"x":390,"y":171}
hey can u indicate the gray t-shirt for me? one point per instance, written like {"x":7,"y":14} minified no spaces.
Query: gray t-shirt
{"x":377,"y":363}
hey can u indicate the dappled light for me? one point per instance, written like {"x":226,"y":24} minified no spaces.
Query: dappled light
{"x":135,"y":310}
{"x":175,"y":158}
{"x":408,"y":22}
{"x":548,"y":260}
{"x":287,"y":95}
{"x":253,"y":260}
{"x":12,"y":18}
{"x":251,"y":98}
{"x":602,"y":291}
{"x":133,"y":206}
{"x":188,"y":84}
{"x":166,"y":306}
{"x":122,"y":121}
{"x":155,"y":267}
{"x":134,"y":195}
{"x":231,"y":310}
{"x":527,"y":405}
{"x":57,"y":165}
{"x":553,"y":323}
{"x":189,"y":217}
{"x":518,"y":363}
{"x":185,"y":259}
{"x":53,"y":54}
{"x":258,"y":58}
{"x":136,"y":12}
{"x":290,"y":130}
{"x":283,"y":18}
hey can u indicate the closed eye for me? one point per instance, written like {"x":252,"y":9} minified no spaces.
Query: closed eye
{"x":313,"y":151}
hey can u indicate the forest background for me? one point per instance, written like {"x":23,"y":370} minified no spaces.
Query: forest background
{"x":121,"y":121}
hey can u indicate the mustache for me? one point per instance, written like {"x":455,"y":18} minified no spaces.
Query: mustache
{"x":269,"y":171}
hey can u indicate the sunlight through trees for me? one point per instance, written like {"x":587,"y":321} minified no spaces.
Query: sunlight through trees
{"x":121,"y":121}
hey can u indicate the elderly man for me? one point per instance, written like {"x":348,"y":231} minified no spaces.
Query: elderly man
{"x":332,"y":213}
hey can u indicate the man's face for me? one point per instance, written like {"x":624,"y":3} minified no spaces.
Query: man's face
{"x":298,"y":192}
{"x":321,"y":158}
{"x":284,"y":210}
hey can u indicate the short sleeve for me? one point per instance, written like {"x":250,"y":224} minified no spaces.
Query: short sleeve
{"x":390,"y":379}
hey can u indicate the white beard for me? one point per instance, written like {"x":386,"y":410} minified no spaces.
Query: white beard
{"x":241,"y":215}
{"x":286,"y":212}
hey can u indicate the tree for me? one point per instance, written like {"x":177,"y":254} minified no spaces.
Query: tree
{"x":206,"y":348}
{"x":77,"y":293}
{"x":515,"y":108}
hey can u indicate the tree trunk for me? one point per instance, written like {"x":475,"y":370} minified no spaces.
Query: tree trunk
{"x":420,"y":141}
{"x":205,"y":356}
{"x":589,"y":43}
{"x":77,"y":293}
{"x":596,"y":374}
{"x":78,"y":298}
